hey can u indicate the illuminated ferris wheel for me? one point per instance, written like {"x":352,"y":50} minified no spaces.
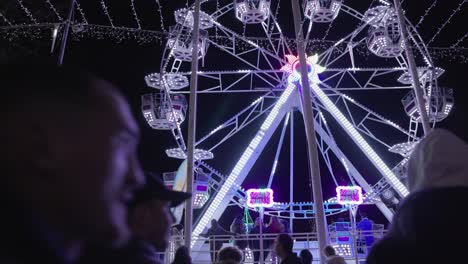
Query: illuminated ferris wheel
{"x":247,"y":35}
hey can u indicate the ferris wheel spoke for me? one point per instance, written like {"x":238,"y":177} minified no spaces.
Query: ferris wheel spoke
{"x":247,"y":159}
{"x":330,"y":59}
{"x":416,"y":38}
{"x":222,"y":81}
{"x":364,"y":78}
{"x":275,"y":36}
{"x":359,"y":140}
{"x":222,"y":11}
{"x":352,"y":171}
{"x":368,"y":116}
{"x":241,"y":120}
{"x":235,"y":53}
{"x":237,"y":37}
{"x":352,"y":12}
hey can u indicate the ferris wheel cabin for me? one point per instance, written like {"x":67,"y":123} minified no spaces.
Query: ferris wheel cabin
{"x":322,"y":11}
{"x":252,"y":11}
{"x":438,"y":108}
{"x":158,"y":112}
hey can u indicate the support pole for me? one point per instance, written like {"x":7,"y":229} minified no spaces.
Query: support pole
{"x":352,"y":215}
{"x":192,"y":126}
{"x":262,"y":256}
{"x":320,"y":220}
{"x":413,"y":70}
{"x":65,"y":32}
{"x":291,"y":170}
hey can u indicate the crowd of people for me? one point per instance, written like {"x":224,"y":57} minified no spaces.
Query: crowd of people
{"x":74,"y":190}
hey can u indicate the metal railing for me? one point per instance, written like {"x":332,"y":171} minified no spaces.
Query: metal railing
{"x":352,"y":245}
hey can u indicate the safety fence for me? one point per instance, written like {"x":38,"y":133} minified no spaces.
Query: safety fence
{"x":259,"y":248}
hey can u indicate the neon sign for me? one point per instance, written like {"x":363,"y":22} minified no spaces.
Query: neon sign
{"x":347,"y":195}
{"x":260,"y":198}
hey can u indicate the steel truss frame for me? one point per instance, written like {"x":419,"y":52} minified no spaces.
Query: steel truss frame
{"x":330,"y":90}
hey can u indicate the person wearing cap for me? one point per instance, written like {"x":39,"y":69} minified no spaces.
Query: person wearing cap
{"x":68,"y":161}
{"x":427,"y":227}
{"x":149,"y":220}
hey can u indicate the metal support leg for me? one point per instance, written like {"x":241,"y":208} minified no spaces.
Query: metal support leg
{"x":413,"y":71}
{"x":65,"y":32}
{"x":192,"y":125}
{"x":262,"y":255}
{"x":310,"y":133}
{"x":291,"y":170}
{"x":352,"y":215}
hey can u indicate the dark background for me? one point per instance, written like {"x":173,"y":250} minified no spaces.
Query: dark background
{"x":126,"y":60}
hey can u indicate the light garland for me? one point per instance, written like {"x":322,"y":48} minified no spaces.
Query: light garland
{"x":52,"y":7}
{"x":81,"y":12}
{"x":106,"y":12}
{"x":328,"y":30}
{"x":426,"y":12}
{"x":331,"y":24}
{"x":460,"y":40}
{"x":151,"y":37}
{"x":5,"y":19}
{"x":26,"y":10}
{"x":446,"y":22}
{"x":135,"y":15}
{"x":276,"y":16}
{"x":161,"y":18}
{"x":120,"y":34}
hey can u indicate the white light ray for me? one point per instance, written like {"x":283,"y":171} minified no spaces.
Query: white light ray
{"x":206,"y":218}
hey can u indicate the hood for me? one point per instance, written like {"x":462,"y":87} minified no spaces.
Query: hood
{"x":439,"y":160}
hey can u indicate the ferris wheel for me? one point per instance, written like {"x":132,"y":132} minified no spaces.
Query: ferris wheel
{"x":259,"y":58}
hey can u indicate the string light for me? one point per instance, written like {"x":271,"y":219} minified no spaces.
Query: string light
{"x":276,"y":17}
{"x":216,"y":28}
{"x":446,"y":22}
{"x":104,"y":7}
{"x":26,"y":10}
{"x":459,"y":41}
{"x":151,"y":37}
{"x":425,"y":14}
{"x":52,"y":7}
{"x":328,"y":30}
{"x":135,"y":15}
{"x":160,"y":15}
{"x":5,"y":19}
{"x":83,"y":17}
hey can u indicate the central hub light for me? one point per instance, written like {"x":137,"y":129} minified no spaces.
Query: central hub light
{"x":297,"y":67}
{"x":294,"y":69}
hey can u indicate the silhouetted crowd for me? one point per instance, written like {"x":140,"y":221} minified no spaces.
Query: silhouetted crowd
{"x":74,"y":191}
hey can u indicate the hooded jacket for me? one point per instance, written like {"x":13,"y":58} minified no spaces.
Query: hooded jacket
{"x":429,"y":225}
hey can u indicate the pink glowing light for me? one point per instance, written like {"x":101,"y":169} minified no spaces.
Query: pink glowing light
{"x":260,"y":198}
{"x":347,"y":195}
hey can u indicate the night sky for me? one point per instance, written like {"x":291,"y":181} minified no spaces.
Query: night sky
{"x":126,"y":63}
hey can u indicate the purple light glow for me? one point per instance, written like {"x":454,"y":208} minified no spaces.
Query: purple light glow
{"x":347,"y":195}
{"x":260,"y":198}
{"x":202,"y":188}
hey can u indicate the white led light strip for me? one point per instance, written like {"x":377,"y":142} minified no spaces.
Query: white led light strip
{"x":208,"y":216}
{"x":381,"y":166}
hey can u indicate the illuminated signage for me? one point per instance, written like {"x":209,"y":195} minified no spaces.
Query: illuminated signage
{"x":347,"y":195}
{"x":260,"y":198}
